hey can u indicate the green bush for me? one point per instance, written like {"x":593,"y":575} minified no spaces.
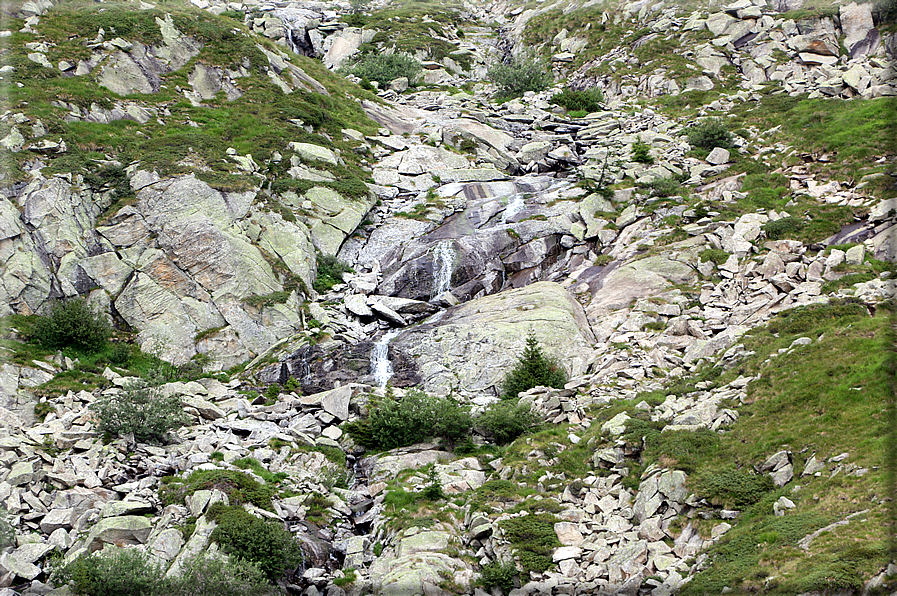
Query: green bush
{"x":264,"y":543}
{"x":533,"y":539}
{"x":641,"y":152}
{"x":533,"y":369}
{"x":733,"y":488}
{"x":330,"y":272}
{"x":141,"y":410}
{"x":682,"y":449}
{"x":207,"y":576}
{"x":239,"y":487}
{"x":663,"y":187}
{"x":505,"y":421}
{"x":498,"y":575}
{"x":783,"y":228}
{"x":520,"y":76}
{"x":587,"y":100}
{"x":72,"y":324}
{"x":884,"y":12}
{"x":414,"y":418}
{"x":715,"y":255}
{"x":125,"y":572}
{"x":806,"y":318}
{"x":710,"y":134}
{"x":128,"y":571}
{"x":384,"y":68}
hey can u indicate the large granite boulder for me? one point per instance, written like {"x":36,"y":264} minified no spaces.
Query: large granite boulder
{"x":491,"y":331}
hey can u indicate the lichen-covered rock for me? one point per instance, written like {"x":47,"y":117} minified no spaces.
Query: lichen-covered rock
{"x":491,"y":331}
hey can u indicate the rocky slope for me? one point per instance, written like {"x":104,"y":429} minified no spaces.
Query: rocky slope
{"x":188,"y":170}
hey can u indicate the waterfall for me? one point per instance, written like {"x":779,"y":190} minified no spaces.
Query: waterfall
{"x":381,"y":367}
{"x":515,"y":205}
{"x":443,"y":260}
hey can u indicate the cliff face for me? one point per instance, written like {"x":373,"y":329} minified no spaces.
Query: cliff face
{"x":708,"y":252}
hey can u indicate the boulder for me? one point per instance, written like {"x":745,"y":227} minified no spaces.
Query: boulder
{"x":120,"y":531}
{"x":491,"y":331}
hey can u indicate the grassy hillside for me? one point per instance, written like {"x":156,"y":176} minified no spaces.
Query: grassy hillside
{"x":181,"y":137}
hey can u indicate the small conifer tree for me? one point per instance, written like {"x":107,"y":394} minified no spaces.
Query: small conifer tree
{"x":533,"y":368}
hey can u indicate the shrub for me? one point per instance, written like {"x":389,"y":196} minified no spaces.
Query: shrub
{"x":641,"y":152}
{"x":265,"y":543}
{"x":141,"y":410}
{"x":715,"y":255}
{"x":709,"y":134}
{"x":384,"y":68}
{"x":505,"y":421}
{"x":782,"y":228}
{"x":498,"y":575}
{"x":734,"y":488}
{"x":533,"y":369}
{"x":417,"y":416}
{"x":239,"y":487}
{"x":587,"y":100}
{"x":884,"y":12}
{"x":663,"y":187}
{"x":72,"y":324}
{"x":125,"y":572}
{"x":533,"y":539}
{"x":684,"y":449}
{"x":433,"y":490}
{"x":208,"y":576}
{"x":520,"y":76}
{"x":330,"y":272}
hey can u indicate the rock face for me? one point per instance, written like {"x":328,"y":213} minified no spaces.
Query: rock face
{"x":483,"y":223}
{"x":492,"y":330}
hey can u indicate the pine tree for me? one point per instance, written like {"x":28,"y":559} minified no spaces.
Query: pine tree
{"x":533,"y":368}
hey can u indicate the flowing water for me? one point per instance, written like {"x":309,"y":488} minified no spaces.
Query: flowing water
{"x":381,"y":367}
{"x":443,"y":262}
{"x":515,"y":206}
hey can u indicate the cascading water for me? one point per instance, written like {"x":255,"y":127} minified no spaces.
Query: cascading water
{"x":443,"y":262}
{"x":515,"y":205}
{"x":381,"y":367}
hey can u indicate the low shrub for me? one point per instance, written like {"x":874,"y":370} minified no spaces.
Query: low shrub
{"x":239,"y":487}
{"x":72,"y":324}
{"x":733,"y":488}
{"x":330,"y":272}
{"x":505,"y":421}
{"x":783,"y":227}
{"x":498,"y":575}
{"x":663,"y":187}
{"x":714,"y":255}
{"x":141,"y":410}
{"x":681,"y":449}
{"x":806,"y":318}
{"x":587,"y":100}
{"x":533,"y":369}
{"x":518,"y":77}
{"x":125,"y":572}
{"x":264,"y":543}
{"x":384,"y":68}
{"x":533,"y":539}
{"x":128,"y":571}
{"x":641,"y":152}
{"x":709,"y":134}
{"x":411,"y":419}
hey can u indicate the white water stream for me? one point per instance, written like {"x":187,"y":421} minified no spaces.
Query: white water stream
{"x":515,"y":205}
{"x":381,"y":367}
{"x":443,"y":262}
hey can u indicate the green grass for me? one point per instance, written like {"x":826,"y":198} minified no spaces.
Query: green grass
{"x":189,"y":138}
{"x":821,"y":400}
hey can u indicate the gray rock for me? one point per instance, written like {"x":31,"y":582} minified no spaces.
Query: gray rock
{"x":128,"y":529}
{"x":718,"y":156}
